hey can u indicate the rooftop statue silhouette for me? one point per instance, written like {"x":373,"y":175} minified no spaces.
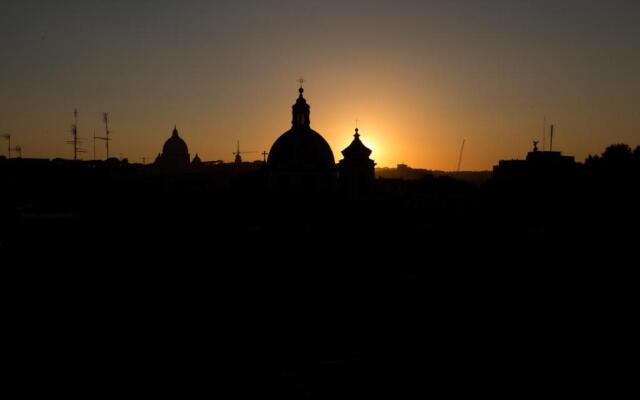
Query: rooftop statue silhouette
{"x":301,"y":160}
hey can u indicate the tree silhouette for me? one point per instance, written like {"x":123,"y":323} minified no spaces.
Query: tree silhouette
{"x":617,"y":158}
{"x":592,"y":160}
{"x":617,"y":154}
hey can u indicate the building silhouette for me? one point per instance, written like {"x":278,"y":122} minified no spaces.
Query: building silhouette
{"x":356,"y":172}
{"x":175,"y":153}
{"x":539,"y":165}
{"x":301,"y":160}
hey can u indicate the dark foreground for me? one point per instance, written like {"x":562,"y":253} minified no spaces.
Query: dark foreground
{"x":173,"y":285}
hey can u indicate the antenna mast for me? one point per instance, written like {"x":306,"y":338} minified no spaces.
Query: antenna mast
{"x":74,"y":132}
{"x":75,"y":141}
{"x":544,"y":132}
{"x":106,"y":138}
{"x":8,"y":137}
{"x":551,"y":138}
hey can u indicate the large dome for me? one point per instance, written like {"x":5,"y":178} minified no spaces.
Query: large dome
{"x":301,"y":148}
{"x":175,"y":145}
{"x":300,"y":160}
{"x":175,"y":153}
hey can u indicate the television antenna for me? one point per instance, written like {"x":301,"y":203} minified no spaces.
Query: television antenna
{"x":106,"y":138}
{"x":7,"y":136}
{"x":75,"y":140}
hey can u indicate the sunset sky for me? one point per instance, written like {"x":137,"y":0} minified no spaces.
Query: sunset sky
{"x":420,"y":76}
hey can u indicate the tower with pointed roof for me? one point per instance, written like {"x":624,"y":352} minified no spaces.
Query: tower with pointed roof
{"x":175,"y":153}
{"x":356,"y":172}
{"x":301,"y":160}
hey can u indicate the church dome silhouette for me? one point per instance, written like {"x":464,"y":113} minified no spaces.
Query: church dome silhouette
{"x":301,"y":148}
{"x":175,"y":153}
{"x":357,"y":149}
{"x":356,"y":172}
{"x":175,"y":146}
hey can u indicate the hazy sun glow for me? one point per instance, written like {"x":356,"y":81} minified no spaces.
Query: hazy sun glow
{"x":368,"y":138}
{"x":420,"y":76}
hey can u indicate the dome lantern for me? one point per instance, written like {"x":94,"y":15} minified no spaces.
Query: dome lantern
{"x":301,"y":109}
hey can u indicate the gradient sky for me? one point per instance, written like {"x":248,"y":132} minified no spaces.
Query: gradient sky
{"x":419,"y":75}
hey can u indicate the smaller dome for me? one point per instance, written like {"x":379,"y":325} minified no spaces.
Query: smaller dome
{"x":175,"y":145}
{"x":357,"y":149}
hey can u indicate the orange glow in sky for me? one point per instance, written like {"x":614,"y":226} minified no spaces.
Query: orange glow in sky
{"x":419,"y":76}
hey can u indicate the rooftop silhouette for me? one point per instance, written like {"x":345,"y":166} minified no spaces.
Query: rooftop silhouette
{"x":297,"y":276}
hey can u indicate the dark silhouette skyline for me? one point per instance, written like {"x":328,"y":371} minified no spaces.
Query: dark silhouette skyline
{"x":183,"y":273}
{"x":325,"y":262}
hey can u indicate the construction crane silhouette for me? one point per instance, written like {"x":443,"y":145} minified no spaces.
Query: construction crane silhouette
{"x":460,"y":157}
{"x":237,"y":153}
